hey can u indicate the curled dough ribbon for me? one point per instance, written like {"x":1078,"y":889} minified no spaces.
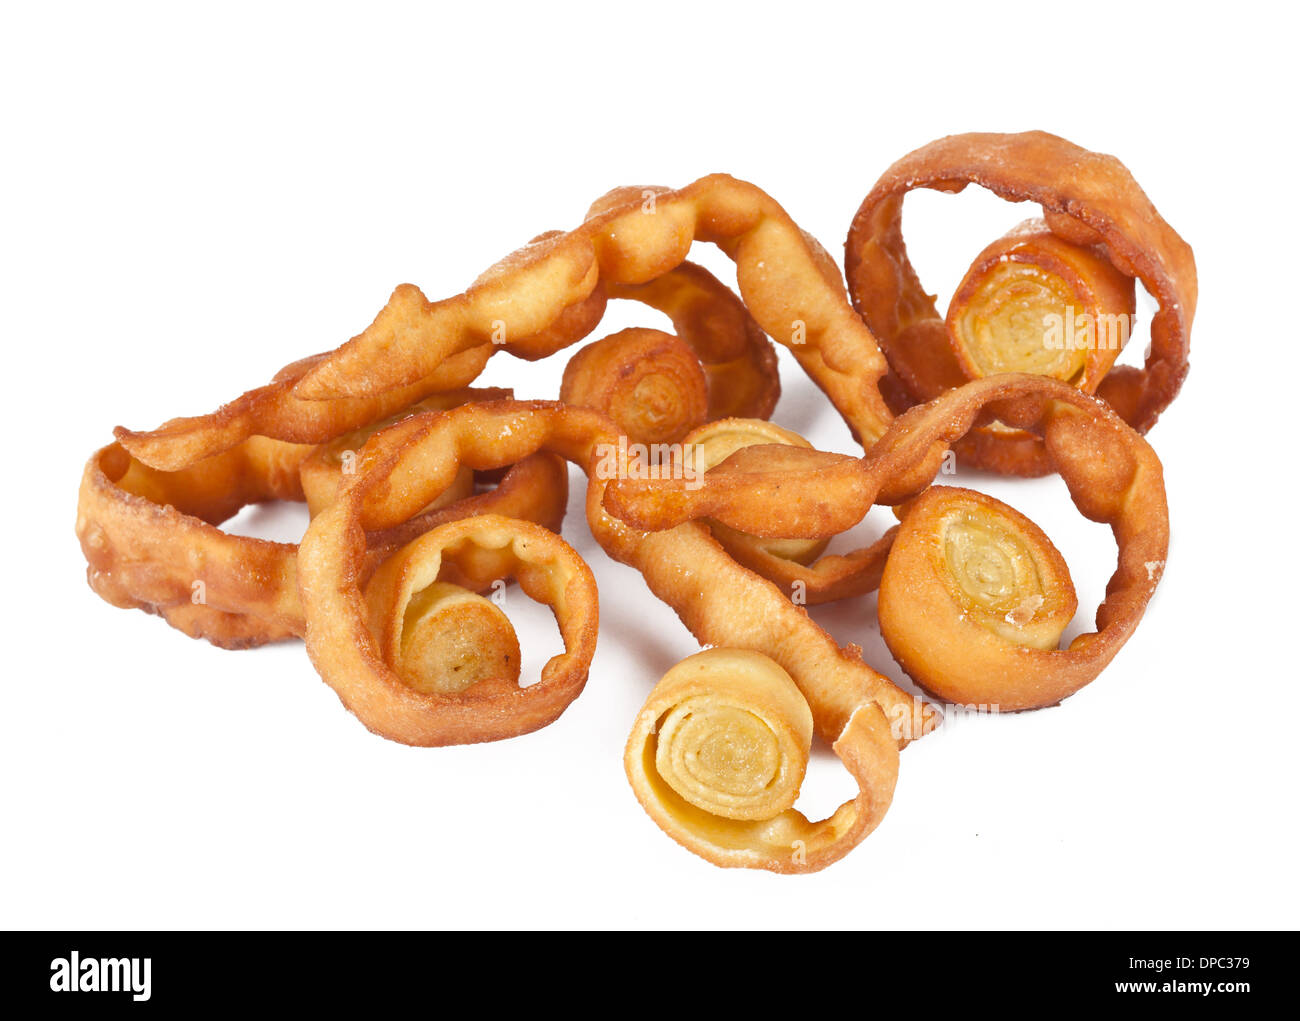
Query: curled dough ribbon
{"x":634,"y":236}
{"x":1112,"y":474}
{"x":152,"y":539}
{"x":1031,"y":302}
{"x":853,"y":707}
{"x":1028,"y":281}
{"x":718,"y":753}
{"x":648,"y":383}
{"x":397,"y":668}
{"x":738,"y":361}
{"x":323,"y":470}
{"x":974,"y":600}
{"x":1091,"y":203}
{"x":722,"y":603}
{"x":656,"y":387}
{"x":274,"y":411}
{"x":796,"y":565}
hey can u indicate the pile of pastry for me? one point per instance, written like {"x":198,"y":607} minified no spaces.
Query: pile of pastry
{"x":428,"y":495}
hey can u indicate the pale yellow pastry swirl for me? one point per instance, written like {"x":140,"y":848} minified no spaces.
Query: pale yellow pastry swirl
{"x":719,"y":752}
{"x":452,"y":639}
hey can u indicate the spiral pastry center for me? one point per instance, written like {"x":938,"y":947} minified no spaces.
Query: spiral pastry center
{"x":982,"y":565}
{"x":990,"y":566}
{"x":649,"y":383}
{"x":725,"y":759}
{"x":730,"y":749}
{"x":452,"y":639}
{"x":655,"y":401}
{"x":1021,"y":319}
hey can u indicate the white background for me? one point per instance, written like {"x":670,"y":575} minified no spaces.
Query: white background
{"x":192,"y":200}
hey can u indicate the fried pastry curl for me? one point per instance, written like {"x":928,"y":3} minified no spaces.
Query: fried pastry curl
{"x":152,"y":538}
{"x":635,"y":235}
{"x":860,"y":712}
{"x":323,"y":470}
{"x":551,"y":293}
{"x":152,"y":542}
{"x":739,"y":362}
{"x":971,"y":592}
{"x":798,"y":566}
{"x":719,"y":751}
{"x":1112,"y":474}
{"x":433,"y":647}
{"x":649,"y":383}
{"x":736,"y":358}
{"x":1054,"y":296}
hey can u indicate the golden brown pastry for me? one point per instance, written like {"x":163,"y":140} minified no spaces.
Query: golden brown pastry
{"x":1032,"y":302}
{"x":323,"y":470}
{"x":446,"y":639}
{"x":739,"y":361}
{"x":718,"y":753}
{"x":1112,"y":474}
{"x":632,"y":236}
{"x":153,"y":541}
{"x":798,"y":566}
{"x":856,"y":709}
{"x":731,"y":529}
{"x":1098,"y":231}
{"x":974,"y":600}
{"x":394,"y":655}
{"x":648,"y":383}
